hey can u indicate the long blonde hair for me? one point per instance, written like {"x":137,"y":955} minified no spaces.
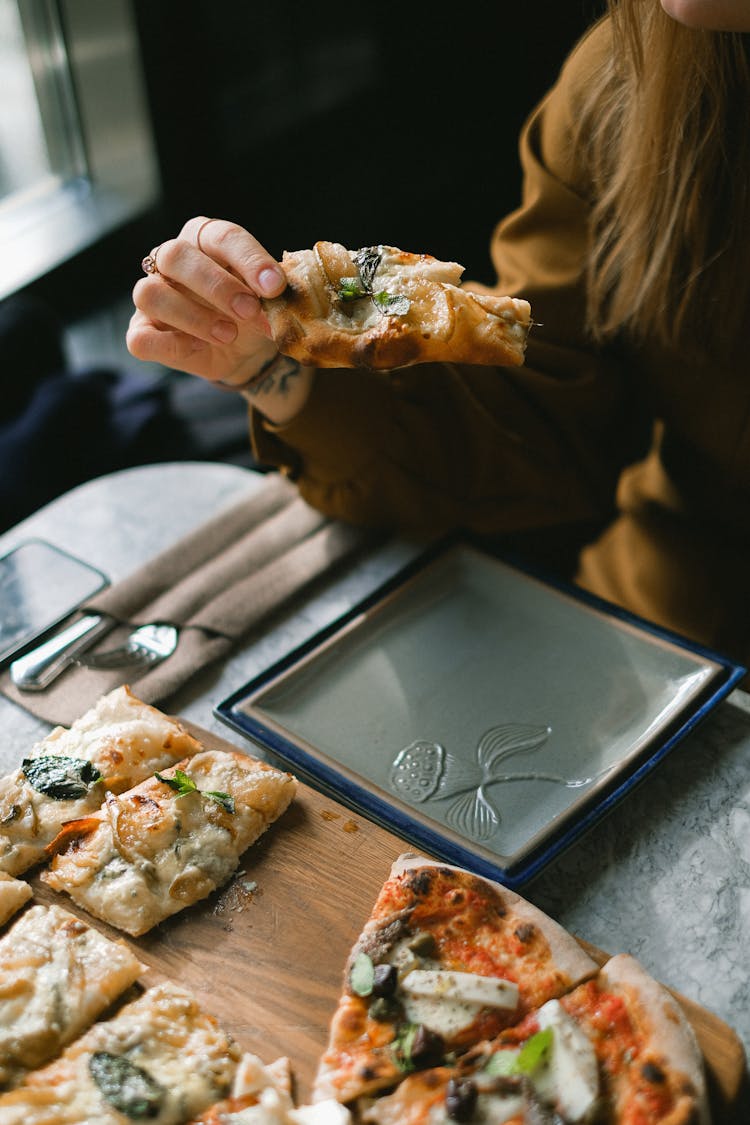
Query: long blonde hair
{"x":667,"y":123}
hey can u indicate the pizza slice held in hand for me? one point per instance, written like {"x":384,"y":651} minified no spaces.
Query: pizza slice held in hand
{"x":382,"y":308}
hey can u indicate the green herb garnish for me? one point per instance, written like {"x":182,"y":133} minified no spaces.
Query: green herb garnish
{"x":350,"y":289}
{"x":62,"y":779}
{"x":402,"y":1045}
{"x":128,"y":1089}
{"x":182,"y":784}
{"x":362,"y":975}
{"x":531,"y":1056}
{"x":392,"y":304}
{"x":367,"y":261}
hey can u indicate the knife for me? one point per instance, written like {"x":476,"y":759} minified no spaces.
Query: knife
{"x":36,"y":670}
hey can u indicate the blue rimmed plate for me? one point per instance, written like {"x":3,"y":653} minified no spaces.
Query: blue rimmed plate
{"x":479,"y":711}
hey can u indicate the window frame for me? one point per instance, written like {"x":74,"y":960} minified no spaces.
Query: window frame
{"x":87,"y":67}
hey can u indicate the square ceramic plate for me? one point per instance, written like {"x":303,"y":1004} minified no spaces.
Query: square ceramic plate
{"x":480,"y":712}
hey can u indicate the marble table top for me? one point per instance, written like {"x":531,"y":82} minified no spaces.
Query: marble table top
{"x":666,"y":876}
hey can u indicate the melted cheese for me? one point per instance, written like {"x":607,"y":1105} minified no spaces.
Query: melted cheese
{"x":152,"y":852}
{"x":443,"y":1000}
{"x":570,"y":1080}
{"x":56,"y":976}
{"x":164,"y":1034}
{"x":124,"y":739}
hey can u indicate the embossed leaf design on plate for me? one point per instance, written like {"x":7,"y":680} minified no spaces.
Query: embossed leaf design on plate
{"x":424,"y":770}
{"x":474,"y":812}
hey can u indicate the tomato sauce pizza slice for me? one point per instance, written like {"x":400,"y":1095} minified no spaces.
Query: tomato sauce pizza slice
{"x":446,"y":960}
{"x":617,"y":1050}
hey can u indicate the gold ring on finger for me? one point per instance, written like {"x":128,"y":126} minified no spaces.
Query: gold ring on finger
{"x":201,"y":229}
{"x":148,"y":265}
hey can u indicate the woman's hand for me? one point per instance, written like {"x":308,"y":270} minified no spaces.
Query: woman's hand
{"x":199,"y":311}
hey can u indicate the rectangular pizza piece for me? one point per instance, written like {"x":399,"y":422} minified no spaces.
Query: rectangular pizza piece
{"x":161,"y":1059}
{"x":117,"y":743}
{"x":56,"y":976}
{"x":170,"y":841}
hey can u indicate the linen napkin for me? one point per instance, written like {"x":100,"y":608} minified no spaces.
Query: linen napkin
{"x":216,"y":585}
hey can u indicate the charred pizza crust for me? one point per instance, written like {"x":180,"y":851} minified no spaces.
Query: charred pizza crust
{"x":436,"y":916}
{"x":669,"y":1057}
{"x":381,"y":308}
{"x":580,"y":1043}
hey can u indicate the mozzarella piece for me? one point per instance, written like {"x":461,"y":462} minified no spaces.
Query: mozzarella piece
{"x":273,"y":1109}
{"x":494,"y":1109}
{"x":447,"y":1001}
{"x":467,"y":988}
{"x":570,"y":1080}
{"x":328,"y":1112}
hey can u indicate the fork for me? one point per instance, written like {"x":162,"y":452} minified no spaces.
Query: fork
{"x":146,"y":645}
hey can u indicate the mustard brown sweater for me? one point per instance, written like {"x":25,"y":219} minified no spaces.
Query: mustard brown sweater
{"x":645,"y":450}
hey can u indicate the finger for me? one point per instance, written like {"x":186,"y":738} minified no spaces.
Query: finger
{"x":163,"y":345}
{"x":237,"y":250}
{"x":182,"y":265}
{"x":172,"y":306}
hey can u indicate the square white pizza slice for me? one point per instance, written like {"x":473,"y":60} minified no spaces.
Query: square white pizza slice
{"x":170,"y":841}
{"x":113,"y":746}
{"x":56,"y":976}
{"x":161,"y":1059}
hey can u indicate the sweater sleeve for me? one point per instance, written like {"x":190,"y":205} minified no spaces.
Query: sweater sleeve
{"x":495,"y":450}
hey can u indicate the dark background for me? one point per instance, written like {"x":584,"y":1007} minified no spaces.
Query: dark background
{"x":358,"y":123}
{"x":352,"y":122}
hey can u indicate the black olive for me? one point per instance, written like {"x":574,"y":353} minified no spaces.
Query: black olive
{"x":460,"y":1099}
{"x":427,"y":1048}
{"x":423,"y":944}
{"x":652,"y":1073}
{"x":384,"y":981}
{"x":384,"y":1008}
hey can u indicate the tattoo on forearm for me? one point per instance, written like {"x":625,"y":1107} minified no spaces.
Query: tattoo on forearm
{"x":278,"y":379}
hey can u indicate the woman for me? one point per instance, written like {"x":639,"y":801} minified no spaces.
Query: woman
{"x":627,"y":433}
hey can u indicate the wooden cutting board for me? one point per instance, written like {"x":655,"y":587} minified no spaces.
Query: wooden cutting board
{"x":266,"y":954}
